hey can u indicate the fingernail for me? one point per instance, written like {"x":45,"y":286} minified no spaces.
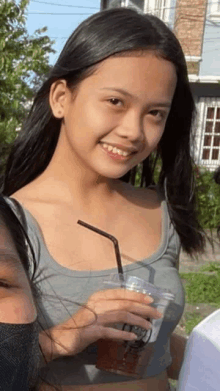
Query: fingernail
{"x":149,"y":299}
{"x":134,"y":336}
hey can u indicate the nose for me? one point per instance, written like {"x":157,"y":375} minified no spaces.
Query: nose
{"x":131,"y":127}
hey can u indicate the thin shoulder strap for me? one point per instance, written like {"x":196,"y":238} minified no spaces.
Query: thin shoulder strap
{"x":19,"y":211}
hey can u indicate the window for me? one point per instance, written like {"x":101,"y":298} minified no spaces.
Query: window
{"x":214,"y":10}
{"x":160,"y":8}
{"x":113,"y":4}
{"x":208,"y":138}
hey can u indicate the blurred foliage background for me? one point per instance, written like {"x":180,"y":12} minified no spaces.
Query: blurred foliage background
{"x":208,"y":194}
{"x":24,"y":62}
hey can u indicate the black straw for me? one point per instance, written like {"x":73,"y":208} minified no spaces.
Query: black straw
{"x":115,"y":242}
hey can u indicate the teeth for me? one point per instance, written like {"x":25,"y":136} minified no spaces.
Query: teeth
{"x":115,"y":150}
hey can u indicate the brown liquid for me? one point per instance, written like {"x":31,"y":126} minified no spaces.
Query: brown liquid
{"x":120,"y":358}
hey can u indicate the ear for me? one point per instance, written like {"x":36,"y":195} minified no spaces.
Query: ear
{"x":58,"y":97}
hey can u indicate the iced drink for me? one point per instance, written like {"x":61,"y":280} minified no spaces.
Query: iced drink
{"x":130,"y":358}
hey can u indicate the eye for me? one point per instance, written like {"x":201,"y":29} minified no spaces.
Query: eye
{"x":4,"y":284}
{"x":158,"y":114}
{"x":116,"y":102}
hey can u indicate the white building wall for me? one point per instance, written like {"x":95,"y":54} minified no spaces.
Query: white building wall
{"x":210,"y":64}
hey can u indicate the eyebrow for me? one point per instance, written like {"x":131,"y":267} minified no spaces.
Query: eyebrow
{"x":126,"y":93}
{"x":121,"y":90}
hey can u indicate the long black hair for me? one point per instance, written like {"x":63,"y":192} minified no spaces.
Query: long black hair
{"x":21,"y":242}
{"x":108,"y":33}
{"x":216,"y":178}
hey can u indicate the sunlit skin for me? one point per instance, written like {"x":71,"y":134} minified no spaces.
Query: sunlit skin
{"x":97,"y":112}
{"x":16,"y":301}
{"x":126,"y":101}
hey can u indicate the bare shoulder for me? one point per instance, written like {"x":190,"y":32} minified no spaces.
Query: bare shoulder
{"x":34,"y":201}
{"x":149,"y":194}
{"x":22,"y":196}
{"x":146,"y":197}
{"x":35,"y":192}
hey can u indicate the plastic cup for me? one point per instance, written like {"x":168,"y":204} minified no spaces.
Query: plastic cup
{"x":130,"y":358}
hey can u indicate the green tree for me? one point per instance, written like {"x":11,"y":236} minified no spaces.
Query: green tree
{"x":24,"y":62}
{"x":208,"y":194}
{"x":208,"y":198}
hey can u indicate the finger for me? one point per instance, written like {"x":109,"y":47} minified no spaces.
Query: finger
{"x":137,"y":308}
{"x":123,"y":317}
{"x":122,"y":294}
{"x":143,"y":310}
{"x":93,"y":333}
{"x":116,"y":335}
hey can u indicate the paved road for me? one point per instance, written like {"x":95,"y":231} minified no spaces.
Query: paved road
{"x":187,"y":264}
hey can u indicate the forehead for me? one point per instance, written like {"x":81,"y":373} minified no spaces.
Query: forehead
{"x":141,"y":72}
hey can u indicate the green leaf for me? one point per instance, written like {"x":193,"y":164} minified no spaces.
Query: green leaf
{"x":24,"y":62}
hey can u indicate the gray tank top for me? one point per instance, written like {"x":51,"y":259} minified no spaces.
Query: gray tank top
{"x":63,"y":290}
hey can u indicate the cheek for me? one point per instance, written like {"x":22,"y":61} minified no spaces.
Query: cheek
{"x":17,"y":309}
{"x":158,"y":137}
{"x":89,"y":118}
{"x":97,"y":119}
{"x":17,"y":304}
{"x":151,"y":141}
{"x":153,"y":137}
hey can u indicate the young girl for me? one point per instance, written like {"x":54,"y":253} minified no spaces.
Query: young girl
{"x":117,"y":96}
{"x":19,"y":343}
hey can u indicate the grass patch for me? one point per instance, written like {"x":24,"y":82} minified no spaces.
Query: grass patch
{"x":192,"y":320}
{"x":203,"y":288}
{"x":211,"y":267}
{"x":173,"y":382}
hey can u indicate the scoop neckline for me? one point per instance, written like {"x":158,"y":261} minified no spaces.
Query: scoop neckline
{"x":100,"y":273}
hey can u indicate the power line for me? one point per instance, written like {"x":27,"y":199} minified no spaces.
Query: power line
{"x":155,"y":9}
{"x":205,"y":40}
{"x":186,"y":17}
{"x":64,"y":5}
{"x":179,"y":7}
{"x":54,"y":13}
{"x":164,"y":8}
{"x":96,"y":8}
{"x":183,"y":17}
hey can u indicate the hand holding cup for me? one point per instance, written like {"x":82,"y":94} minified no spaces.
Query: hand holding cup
{"x":97,"y":318}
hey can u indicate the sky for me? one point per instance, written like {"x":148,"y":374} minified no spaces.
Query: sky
{"x":61,"y":17}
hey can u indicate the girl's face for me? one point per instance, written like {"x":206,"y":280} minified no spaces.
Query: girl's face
{"x":16,"y":300}
{"x":118,"y":114}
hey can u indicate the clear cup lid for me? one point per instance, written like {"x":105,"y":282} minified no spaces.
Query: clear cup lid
{"x":139,"y":285}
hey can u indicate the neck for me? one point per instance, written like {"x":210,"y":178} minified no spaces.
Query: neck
{"x":72,"y":181}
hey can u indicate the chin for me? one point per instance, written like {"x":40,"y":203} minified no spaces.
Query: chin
{"x":114,"y":175}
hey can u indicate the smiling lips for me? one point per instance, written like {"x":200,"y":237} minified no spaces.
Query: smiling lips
{"x":117,"y":151}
